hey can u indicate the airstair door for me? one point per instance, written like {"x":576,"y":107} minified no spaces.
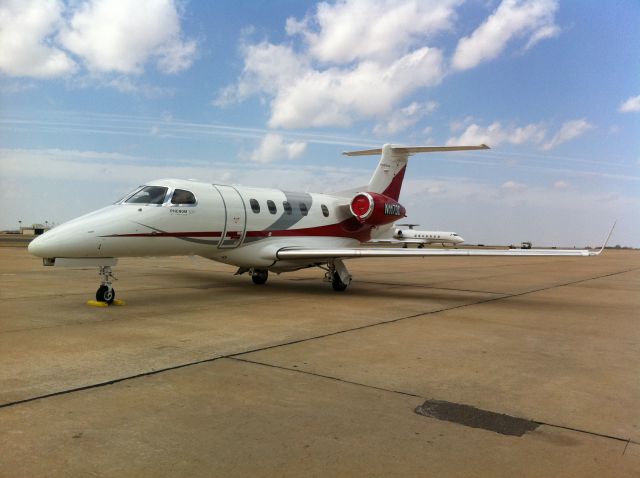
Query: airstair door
{"x":236,"y":217}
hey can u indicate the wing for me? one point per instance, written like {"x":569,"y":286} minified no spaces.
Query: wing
{"x":323,"y":255}
{"x":300,"y":253}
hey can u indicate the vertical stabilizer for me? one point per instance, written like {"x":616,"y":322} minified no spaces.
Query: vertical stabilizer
{"x":388,"y":176}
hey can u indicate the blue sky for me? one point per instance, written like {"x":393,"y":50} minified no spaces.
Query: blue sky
{"x":99,"y":96}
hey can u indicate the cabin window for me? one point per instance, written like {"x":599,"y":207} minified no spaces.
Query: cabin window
{"x":287,"y":207}
{"x":303,"y":209}
{"x":325,"y":210}
{"x":148,"y":195}
{"x":255,"y":205}
{"x":181,"y":196}
{"x":272,"y":206}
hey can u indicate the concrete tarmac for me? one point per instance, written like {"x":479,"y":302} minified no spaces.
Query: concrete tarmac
{"x":202,"y":373}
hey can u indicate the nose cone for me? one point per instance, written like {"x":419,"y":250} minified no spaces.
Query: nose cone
{"x":459,"y":240}
{"x":38,"y":246}
{"x":79,"y":237}
{"x":67,"y":240}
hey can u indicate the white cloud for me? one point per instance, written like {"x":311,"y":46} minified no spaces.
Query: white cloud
{"x":568,"y":131}
{"x":308,"y":97}
{"x":339,"y":76}
{"x":337,"y":97}
{"x":359,"y":59}
{"x":46,"y":38}
{"x":534,"y":133}
{"x":26,"y":31}
{"x":513,"y":186}
{"x":123,"y":35}
{"x":378,"y":30}
{"x":560,"y":184}
{"x":273,"y":148}
{"x":512,"y":19}
{"x":268,"y":68}
{"x":406,"y":117}
{"x":496,"y":134}
{"x":16,"y":87}
{"x":631,"y":105}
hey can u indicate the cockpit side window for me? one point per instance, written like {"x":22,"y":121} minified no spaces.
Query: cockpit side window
{"x":148,"y":195}
{"x":181,"y":196}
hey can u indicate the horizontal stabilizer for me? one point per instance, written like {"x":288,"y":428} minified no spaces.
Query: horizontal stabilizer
{"x":415,"y":149}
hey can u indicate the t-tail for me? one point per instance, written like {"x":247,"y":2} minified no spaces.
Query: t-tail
{"x":388,"y":176}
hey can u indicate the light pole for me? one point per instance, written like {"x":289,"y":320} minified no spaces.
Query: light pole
{"x":20,"y":226}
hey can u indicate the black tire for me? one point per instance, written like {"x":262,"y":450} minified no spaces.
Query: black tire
{"x":105,"y":294}
{"x":337,"y":283}
{"x":259,"y":277}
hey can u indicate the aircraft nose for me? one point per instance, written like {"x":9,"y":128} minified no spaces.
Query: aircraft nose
{"x":65,"y":241}
{"x":38,"y":247}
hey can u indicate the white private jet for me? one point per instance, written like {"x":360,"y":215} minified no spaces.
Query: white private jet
{"x":256,"y":229}
{"x":416,"y":236}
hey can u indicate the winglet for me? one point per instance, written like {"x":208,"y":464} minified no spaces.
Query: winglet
{"x":605,"y":242}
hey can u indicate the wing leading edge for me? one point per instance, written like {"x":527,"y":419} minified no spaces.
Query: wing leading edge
{"x":297,"y":253}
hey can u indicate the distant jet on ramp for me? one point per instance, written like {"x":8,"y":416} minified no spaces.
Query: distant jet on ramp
{"x":416,"y":236}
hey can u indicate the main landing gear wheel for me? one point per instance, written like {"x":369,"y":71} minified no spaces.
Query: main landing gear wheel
{"x":259,"y":276}
{"x":337,"y":283}
{"x":105,"y":294}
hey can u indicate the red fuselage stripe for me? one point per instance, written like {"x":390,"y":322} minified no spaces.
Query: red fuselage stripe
{"x":350,"y":228}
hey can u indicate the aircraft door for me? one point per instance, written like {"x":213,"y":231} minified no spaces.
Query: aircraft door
{"x":236,"y":217}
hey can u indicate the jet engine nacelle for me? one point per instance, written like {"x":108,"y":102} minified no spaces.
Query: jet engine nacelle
{"x":376,"y":209}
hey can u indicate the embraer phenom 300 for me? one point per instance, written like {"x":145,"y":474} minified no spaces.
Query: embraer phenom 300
{"x":256,"y":229}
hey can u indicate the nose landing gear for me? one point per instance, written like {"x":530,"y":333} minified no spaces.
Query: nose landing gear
{"x":106,"y":293}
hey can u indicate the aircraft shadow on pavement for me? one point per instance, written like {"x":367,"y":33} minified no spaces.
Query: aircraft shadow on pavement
{"x":303,"y":287}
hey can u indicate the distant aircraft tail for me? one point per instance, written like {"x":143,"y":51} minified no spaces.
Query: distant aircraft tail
{"x":388,"y":176}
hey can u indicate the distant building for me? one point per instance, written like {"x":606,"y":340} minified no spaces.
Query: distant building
{"x":34,"y":230}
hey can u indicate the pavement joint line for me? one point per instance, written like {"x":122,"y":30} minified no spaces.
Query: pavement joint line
{"x":212,"y":359}
{"x":413,"y":395}
{"x":328,"y":377}
{"x":293,"y":342}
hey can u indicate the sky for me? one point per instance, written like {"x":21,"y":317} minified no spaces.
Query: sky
{"x":99,"y":96}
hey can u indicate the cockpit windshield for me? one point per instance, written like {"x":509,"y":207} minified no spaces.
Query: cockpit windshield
{"x":148,"y":195}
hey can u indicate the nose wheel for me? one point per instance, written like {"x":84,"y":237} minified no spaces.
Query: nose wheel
{"x":106,"y":292}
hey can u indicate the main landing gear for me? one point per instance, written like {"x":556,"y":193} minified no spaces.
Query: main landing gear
{"x":338,"y":275}
{"x":106,"y":293}
{"x":259,"y":276}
